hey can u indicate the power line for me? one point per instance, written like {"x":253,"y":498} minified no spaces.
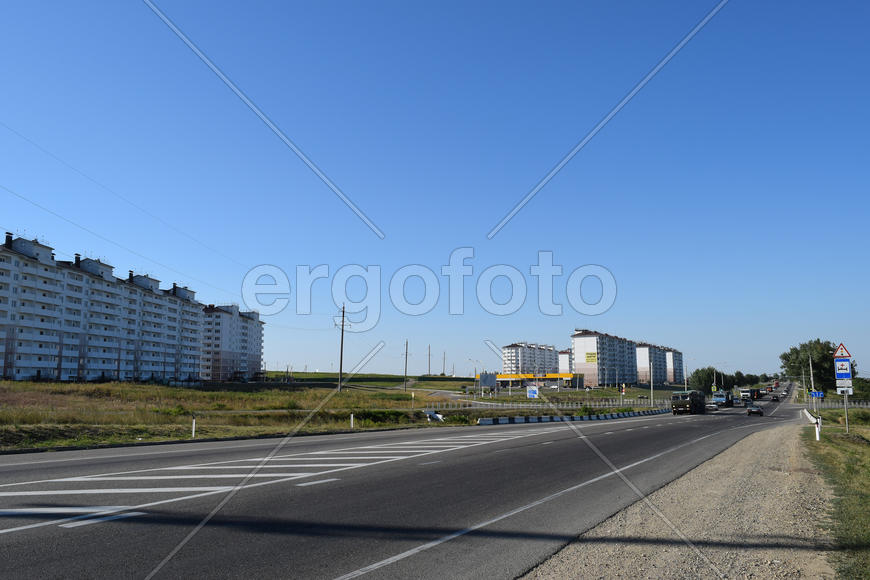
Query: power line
{"x":114,"y":243}
{"x":118,"y":195}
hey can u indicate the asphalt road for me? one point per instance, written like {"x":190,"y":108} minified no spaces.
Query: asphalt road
{"x":469,"y":502}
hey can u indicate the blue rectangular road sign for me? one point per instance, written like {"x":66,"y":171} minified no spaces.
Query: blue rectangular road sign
{"x":843,"y":368}
{"x":817,"y":394}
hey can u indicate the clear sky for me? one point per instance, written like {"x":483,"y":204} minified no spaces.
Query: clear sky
{"x":727,"y":199}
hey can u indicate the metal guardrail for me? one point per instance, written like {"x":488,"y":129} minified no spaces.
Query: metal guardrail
{"x":592,"y":403}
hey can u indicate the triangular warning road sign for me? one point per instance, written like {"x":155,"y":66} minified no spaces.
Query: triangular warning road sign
{"x":841,"y":352}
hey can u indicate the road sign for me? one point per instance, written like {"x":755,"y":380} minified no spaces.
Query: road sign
{"x":817,"y":394}
{"x":841,"y":352}
{"x":845,"y":391}
{"x":844,"y":383}
{"x":532,"y":392}
{"x":843,"y":368}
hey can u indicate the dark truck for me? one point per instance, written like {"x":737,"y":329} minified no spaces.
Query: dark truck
{"x":687,"y":402}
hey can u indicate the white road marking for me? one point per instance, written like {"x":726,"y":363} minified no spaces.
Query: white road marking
{"x":546,"y":443}
{"x":462,"y":442}
{"x":454,"y":535}
{"x":267,"y":466}
{"x":194,"y":476}
{"x":60,"y":510}
{"x":430,"y":462}
{"x":102,"y":519}
{"x":319,"y":481}
{"x":111,"y":490}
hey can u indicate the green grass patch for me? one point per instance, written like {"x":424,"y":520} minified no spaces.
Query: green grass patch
{"x":844,"y":459}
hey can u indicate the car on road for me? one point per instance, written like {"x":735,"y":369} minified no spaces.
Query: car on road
{"x":753,"y":409}
{"x":711,"y":406}
{"x":774,"y":398}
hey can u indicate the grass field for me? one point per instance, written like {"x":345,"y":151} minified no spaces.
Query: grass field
{"x":66,"y":414}
{"x":845,"y":461}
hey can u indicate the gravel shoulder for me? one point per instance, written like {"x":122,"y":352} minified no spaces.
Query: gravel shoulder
{"x":757,"y":510}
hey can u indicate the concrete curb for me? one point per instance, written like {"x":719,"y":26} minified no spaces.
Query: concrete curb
{"x":557,"y":418}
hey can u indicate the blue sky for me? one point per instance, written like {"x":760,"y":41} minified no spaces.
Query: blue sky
{"x":728,"y":199}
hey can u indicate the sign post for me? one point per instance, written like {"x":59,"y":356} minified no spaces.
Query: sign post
{"x":843,"y":374}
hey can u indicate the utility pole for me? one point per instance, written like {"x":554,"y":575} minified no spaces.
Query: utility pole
{"x":341,"y":351}
{"x":685,"y":377}
{"x":812,"y":381}
{"x":651,"y":403}
{"x":429,"y":371}
{"x":804,"y":386}
{"x":405,"y":379}
{"x":444,"y":363}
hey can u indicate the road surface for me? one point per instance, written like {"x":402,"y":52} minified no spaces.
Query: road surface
{"x":465,"y":502}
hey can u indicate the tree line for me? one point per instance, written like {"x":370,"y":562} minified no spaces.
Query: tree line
{"x":703,"y":379}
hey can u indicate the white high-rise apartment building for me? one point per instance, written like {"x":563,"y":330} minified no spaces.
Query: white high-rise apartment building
{"x":232,"y":343}
{"x":651,"y":357}
{"x":77,"y":321}
{"x":676,"y":372}
{"x":529,"y":358}
{"x":603,"y":359}
{"x":566,"y":361}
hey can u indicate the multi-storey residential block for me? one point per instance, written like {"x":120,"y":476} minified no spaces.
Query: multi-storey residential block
{"x":74,"y":320}
{"x":566,"y":361}
{"x":603,"y":359}
{"x":651,"y":358}
{"x":523,"y":357}
{"x":676,"y":371}
{"x":232,"y":343}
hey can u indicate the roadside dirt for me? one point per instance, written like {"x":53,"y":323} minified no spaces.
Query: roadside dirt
{"x":756,"y":510}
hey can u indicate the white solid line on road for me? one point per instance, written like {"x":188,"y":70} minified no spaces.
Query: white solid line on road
{"x":319,"y":481}
{"x":608,"y":433}
{"x":267,"y":466}
{"x":60,"y":510}
{"x":546,"y":443}
{"x":102,"y":519}
{"x":194,"y":476}
{"x":110,"y":490}
{"x":430,"y":462}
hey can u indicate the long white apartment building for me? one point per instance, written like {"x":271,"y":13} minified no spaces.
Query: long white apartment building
{"x":529,"y":358}
{"x":603,"y":359}
{"x":232,"y":343}
{"x":74,"y":320}
{"x":676,"y":371}
{"x":651,"y":359}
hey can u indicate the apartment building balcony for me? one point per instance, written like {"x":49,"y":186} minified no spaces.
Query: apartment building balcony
{"x":50,"y":323}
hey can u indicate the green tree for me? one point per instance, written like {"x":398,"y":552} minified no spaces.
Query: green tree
{"x":764,"y":378}
{"x":702,"y":379}
{"x":796,"y":360}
